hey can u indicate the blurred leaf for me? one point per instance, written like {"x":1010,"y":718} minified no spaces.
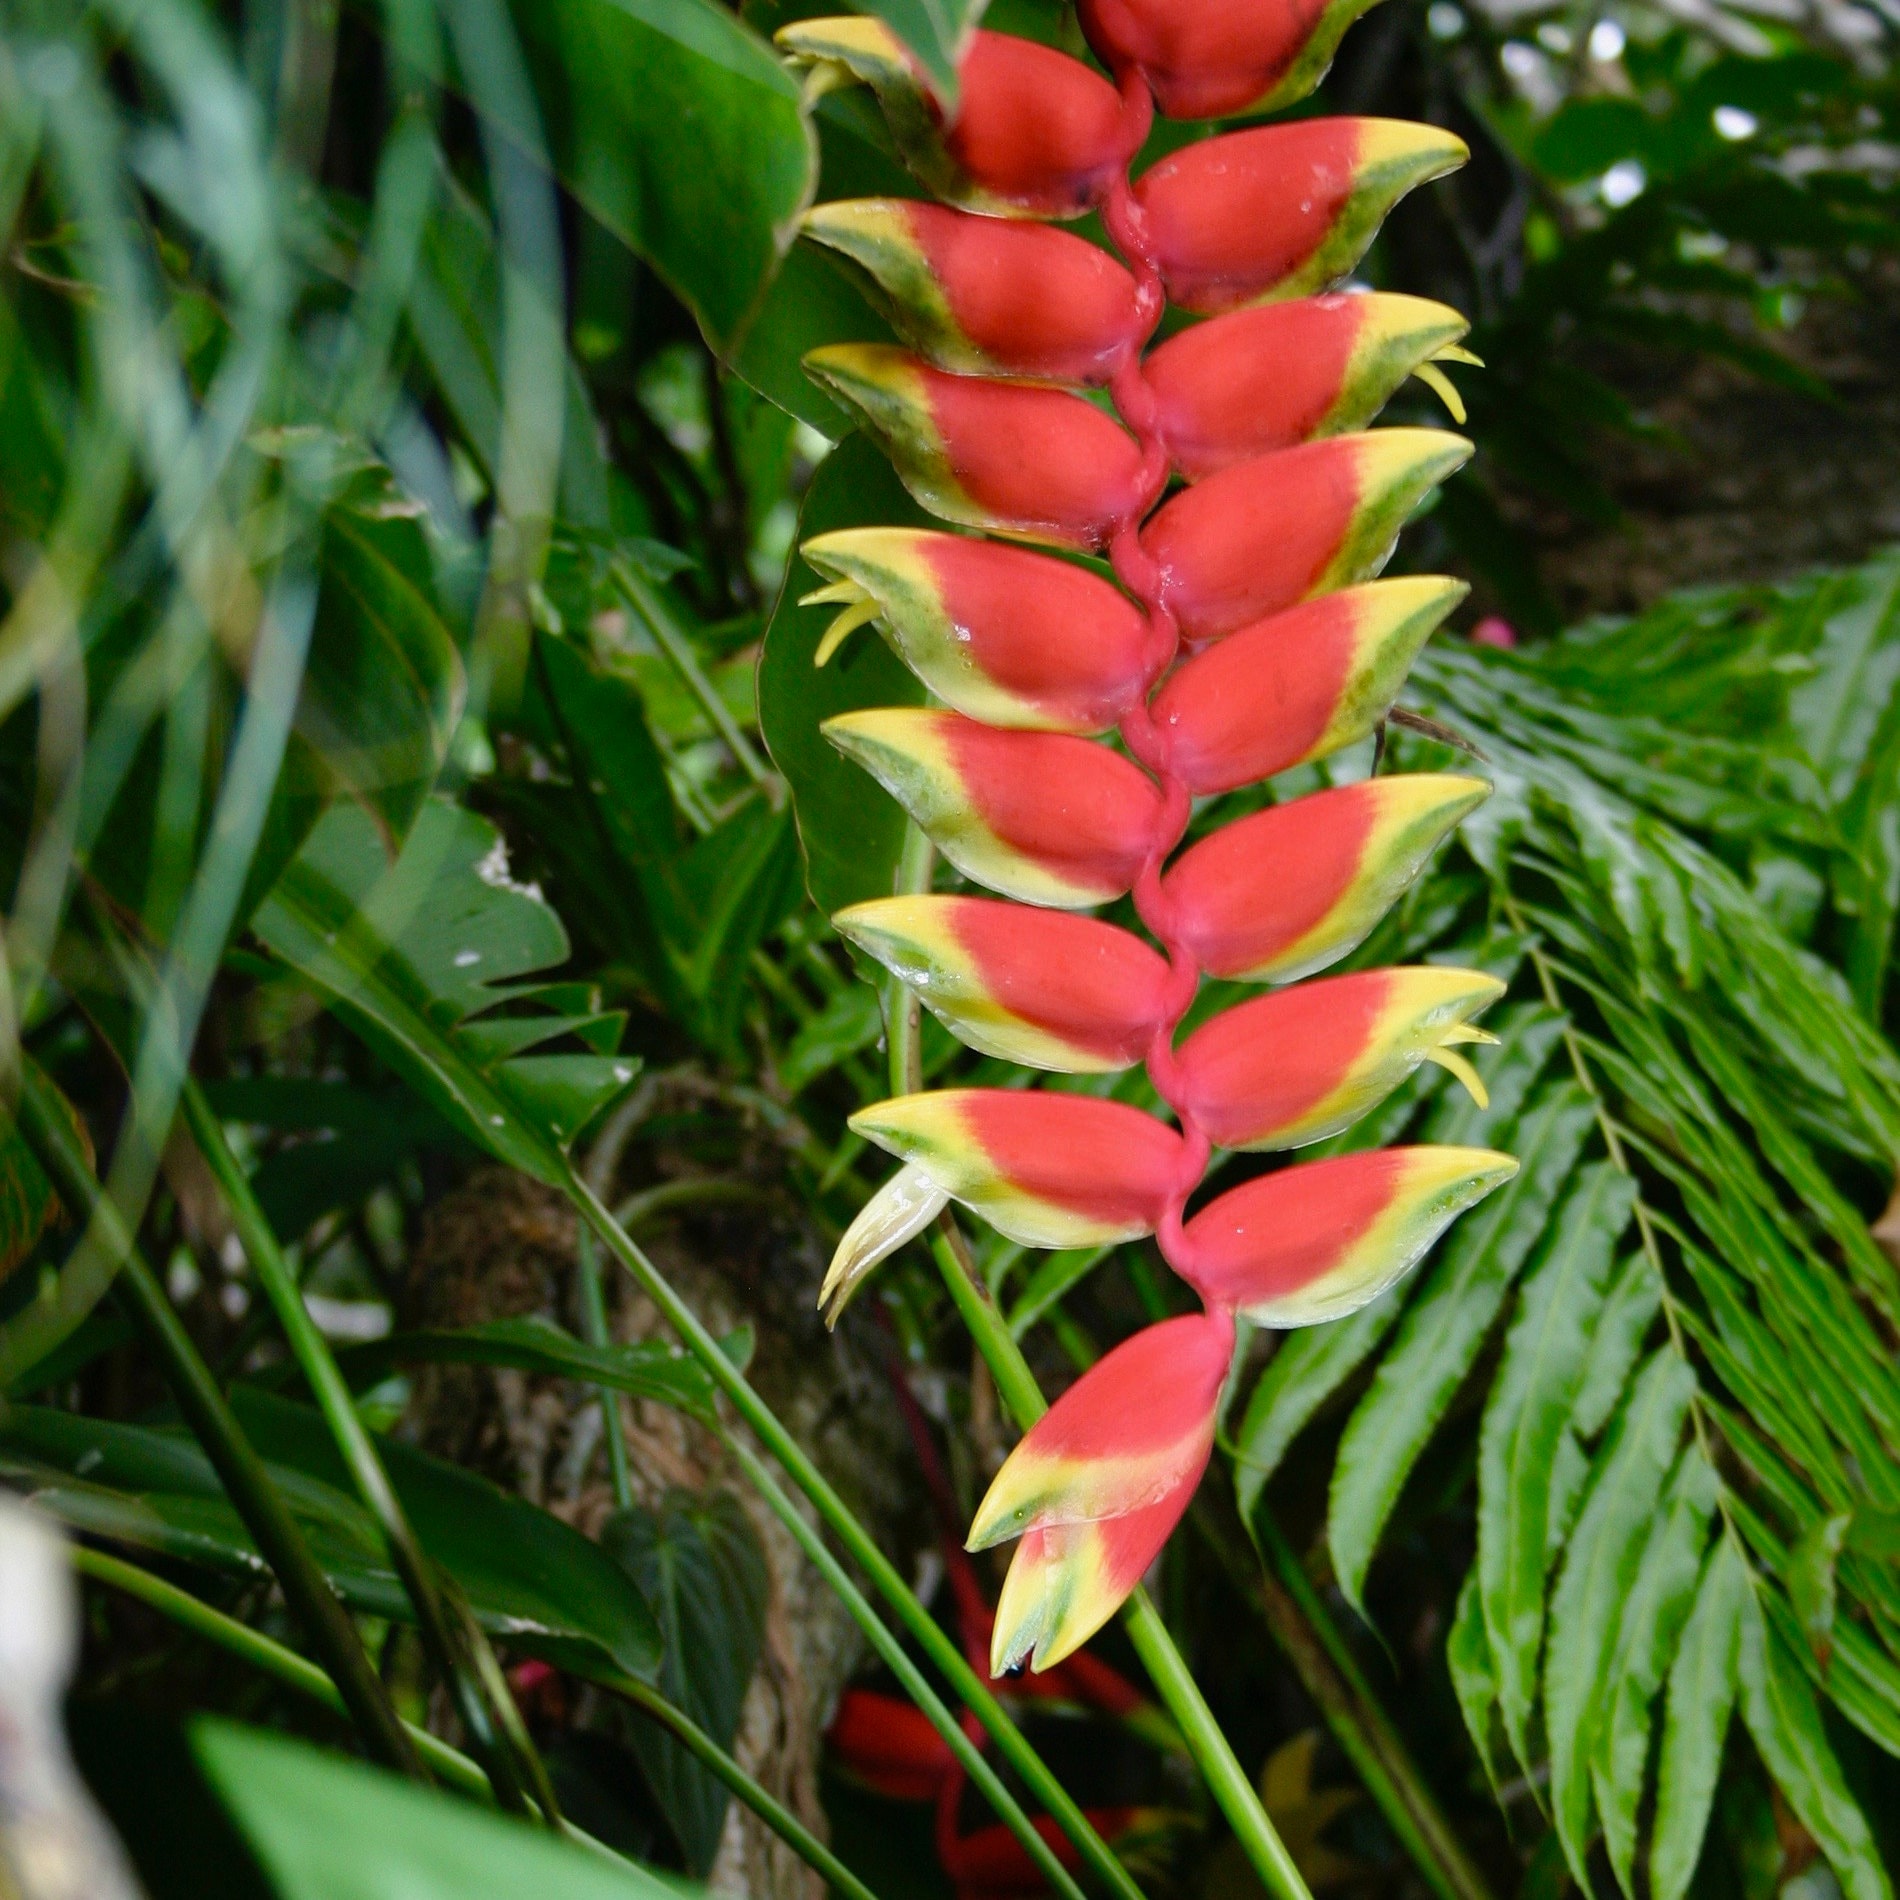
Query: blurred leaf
{"x":681,"y":132}
{"x":327,"y":1828}
{"x":850,"y":830}
{"x":647,"y":1369}
{"x":28,"y":1204}
{"x":532,"y":1581}
{"x":700,"y":1564}
{"x":850,"y":1021}
{"x":417,"y":955}
{"x":383,"y":688}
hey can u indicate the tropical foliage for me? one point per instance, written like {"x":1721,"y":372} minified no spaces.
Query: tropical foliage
{"x":412,"y":781}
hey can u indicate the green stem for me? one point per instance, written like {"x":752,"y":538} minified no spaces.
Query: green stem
{"x":594,"y":1330}
{"x":1233,"y":1790}
{"x":257,"y":1500}
{"x":1297,"y":1617}
{"x":884,"y":1576}
{"x":332,"y":1393}
{"x":910,"y":1678}
{"x":779,"y":1818}
{"x":295,"y":1672}
{"x":647,"y":603}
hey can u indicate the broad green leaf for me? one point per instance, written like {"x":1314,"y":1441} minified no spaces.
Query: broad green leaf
{"x":1444,"y":1328}
{"x":1702,"y":1687}
{"x":1599,"y":1570}
{"x":415,"y":956}
{"x":358,"y":1138}
{"x":383,"y":688}
{"x":648,"y":1369}
{"x":850,"y":829}
{"x":531,"y":1580}
{"x":28,"y":1205}
{"x":1312,"y":1364}
{"x":1629,"y":1309}
{"x":683,"y":134}
{"x":1309,"y":1367}
{"x":699,"y":1563}
{"x":937,"y":31}
{"x":1474,"y":1678}
{"x":849,"y":1022}
{"x":810,"y":303}
{"x":1785,"y":1723}
{"x":327,"y":1828}
{"x":1527,"y":1418}
{"x":1659,"y":1604}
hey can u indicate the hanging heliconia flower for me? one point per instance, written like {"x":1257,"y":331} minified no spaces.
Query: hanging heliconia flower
{"x":1246,"y":636}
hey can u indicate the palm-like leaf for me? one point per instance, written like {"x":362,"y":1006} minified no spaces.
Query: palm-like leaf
{"x":1694,"y":1384}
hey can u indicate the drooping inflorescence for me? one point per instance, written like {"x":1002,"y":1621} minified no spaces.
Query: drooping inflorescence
{"x":1245,"y":637}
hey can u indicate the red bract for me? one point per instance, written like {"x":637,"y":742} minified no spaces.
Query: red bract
{"x":1306,"y":1062}
{"x":985,"y":294}
{"x":1283,"y":210}
{"x":1098,"y":1483}
{"x":1294,"y":888}
{"x":1035,"y":128}
{"x":1009,"y":637}
{"x":1035,"y":815}
{"x":1258,"y":380}
{"x":1319,"y":1241}
{"x":1013,"y":457}
{"x":1209,"y":59}
{"x":1046,"y":1169}
{"x":1033,"y":986}
{"x":1262,"y":535}
{"x":1299,"y":685}
{"x":891,"y":1746}
{"x":1259,"y":573}
{"x":1035,"y":134}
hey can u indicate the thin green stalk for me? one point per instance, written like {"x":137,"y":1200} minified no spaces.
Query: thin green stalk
{"x":912,"y":1680}
{"x":332,"y":1393}
{"x":883,"y":1574}
{"x":451,"y":1766}
{"x":1308,"y":1637}
{"x":646,"y":602}
{"x":1229,"y":1783}
{"x":779,"y":1818}
{"x":594,"y":1331}
{"x":257,"y":1500}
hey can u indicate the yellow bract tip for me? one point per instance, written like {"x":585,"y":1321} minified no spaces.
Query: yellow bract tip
{"x":841,"y":629}
{"x":839,"y":592}
{"x":1455,"y":1064}
{"x":1437,"y":381}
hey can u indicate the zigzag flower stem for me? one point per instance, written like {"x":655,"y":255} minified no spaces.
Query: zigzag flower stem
{"x":1243,"y":634}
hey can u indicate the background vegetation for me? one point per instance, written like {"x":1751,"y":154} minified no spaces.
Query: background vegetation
{"x":403,"y":764}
